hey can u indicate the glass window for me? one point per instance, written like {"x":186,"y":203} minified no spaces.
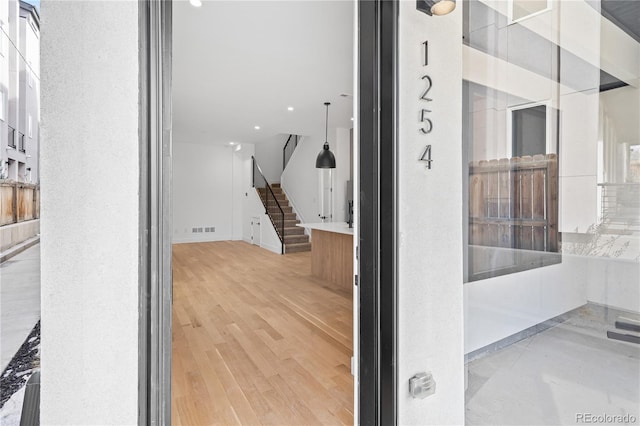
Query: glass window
{"x":524,"y":8}
{"x":551,"y":147}
{"x":529,"y":131}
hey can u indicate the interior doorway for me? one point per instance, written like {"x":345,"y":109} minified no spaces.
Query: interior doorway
{"x":259,"y":335}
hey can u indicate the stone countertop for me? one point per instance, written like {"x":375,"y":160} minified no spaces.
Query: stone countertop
{"x":337,"y":227}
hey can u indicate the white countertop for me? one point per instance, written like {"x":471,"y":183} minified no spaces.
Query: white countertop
{"x":337,"y":227}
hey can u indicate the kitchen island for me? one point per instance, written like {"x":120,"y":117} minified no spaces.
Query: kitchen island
{"x":332,"y":252}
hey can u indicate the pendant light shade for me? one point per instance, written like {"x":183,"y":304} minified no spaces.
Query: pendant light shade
{"x":436,"y":7}
{"x":326,"y":159}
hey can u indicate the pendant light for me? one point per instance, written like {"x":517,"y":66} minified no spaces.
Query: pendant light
{"x":436,"y":7}
{"x":326,"y":159}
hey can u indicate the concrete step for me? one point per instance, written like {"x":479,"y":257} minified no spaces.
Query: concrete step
{"x":297,"y":247}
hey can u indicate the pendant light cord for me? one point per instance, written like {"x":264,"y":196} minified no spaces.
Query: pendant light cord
{"x":326,"y":127}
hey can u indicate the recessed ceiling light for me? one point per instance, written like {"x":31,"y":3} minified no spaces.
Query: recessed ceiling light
{"x":351,"y":118}
{"x":233,"y":143}
{"x":195,"y":3}
{"x":256,"y":127}
{"x":290,"y":108}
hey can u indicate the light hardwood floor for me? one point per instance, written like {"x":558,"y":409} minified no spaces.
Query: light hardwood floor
{"x":257,"y":339}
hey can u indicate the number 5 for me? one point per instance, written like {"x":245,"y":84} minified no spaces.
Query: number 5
{"x":424,"y":119}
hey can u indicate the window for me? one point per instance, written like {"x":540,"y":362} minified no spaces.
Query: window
{"x":521,"y":9}
{"x":512,"y":197}
{"x":529,"y":131}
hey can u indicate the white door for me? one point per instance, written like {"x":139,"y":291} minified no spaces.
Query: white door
{"x":255,"y":231}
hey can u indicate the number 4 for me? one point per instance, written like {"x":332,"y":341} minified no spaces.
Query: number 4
{"x":426,"y":156}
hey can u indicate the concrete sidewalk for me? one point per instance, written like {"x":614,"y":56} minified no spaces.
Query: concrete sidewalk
{"x":19,"y":301}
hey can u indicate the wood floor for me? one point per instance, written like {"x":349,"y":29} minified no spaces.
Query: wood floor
{"x":257,"y":340}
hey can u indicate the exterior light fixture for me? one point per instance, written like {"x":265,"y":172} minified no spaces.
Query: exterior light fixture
{"x":326,"y":159}
{"x":436,"y":7}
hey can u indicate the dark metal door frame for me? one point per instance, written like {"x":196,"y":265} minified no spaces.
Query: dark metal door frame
{"x":377,"y":255}
{"x":155,"y":276}
{"x":377,"y":59}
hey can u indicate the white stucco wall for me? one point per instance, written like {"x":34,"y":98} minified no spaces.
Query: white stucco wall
{"x":430,"y":299}
{"x":90,"y":175}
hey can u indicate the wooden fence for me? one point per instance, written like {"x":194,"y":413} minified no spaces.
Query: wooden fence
{"x":18,"y":202}
{"x":513,"y":203}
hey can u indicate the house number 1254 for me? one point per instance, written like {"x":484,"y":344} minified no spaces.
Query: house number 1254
{"x":426,"y":124}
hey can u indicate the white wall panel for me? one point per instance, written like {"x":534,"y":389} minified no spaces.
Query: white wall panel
{"x":90,"y":235}
{"x":430,"y":300}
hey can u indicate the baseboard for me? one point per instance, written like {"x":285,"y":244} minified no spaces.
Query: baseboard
{"x":199,"y":240}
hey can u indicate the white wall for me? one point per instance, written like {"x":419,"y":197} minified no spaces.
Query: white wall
{"x":252,"y":205}
{"x":203,"y":183}
{"x":613,"y":282}
{"x":502,"y":306}
{"x":237,"y":191}
{"x":430,"y":300}
{"x":498,"y":307}
{"x":90,"y":215}
{"x":300,"y":179}
{"x":269,"y":156}
{"x":268,"y":237}
{"x":343,"y":159}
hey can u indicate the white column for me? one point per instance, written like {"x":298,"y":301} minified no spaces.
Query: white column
{"x":90,"y":185}
{"x":430,"y":302}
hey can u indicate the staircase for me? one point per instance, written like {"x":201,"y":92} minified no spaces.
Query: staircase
{"x":295,"y":240}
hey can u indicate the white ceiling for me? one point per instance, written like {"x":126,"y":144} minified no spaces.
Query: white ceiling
{"x":238,"y":64}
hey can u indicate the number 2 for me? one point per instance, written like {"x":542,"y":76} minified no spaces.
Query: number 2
{"x":429,"y":85}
